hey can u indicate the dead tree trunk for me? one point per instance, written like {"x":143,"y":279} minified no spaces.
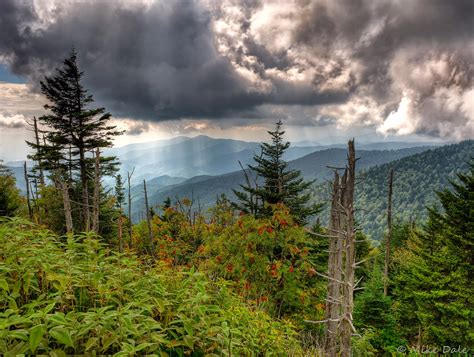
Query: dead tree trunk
{"x":333,"y":304}
{"x":96,"y":197}
{"x":388,"y":241}
{"x":347,"y":326}
{"x":130,"y":225}
{"x":85,"y":190}
{"x":148,"y":221}
{"x":120,"y":234}
{"x":64,"y":187}
{"x":40,"y":166}
{"x":27,"y":181}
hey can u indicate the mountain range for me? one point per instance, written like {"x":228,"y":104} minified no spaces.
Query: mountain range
{"x":202,"y":168}
{"x":419,"y":172}
{"x":204,"y":189}
{"x":202,"y":155}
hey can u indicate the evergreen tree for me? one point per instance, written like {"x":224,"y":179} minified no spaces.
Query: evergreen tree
{"x":73,"y":131}
{"x":10,"y":199}
{"x":373,"y":312}
{"x":433,"y":279}
{"x":119,"y":192}
{"x":280,"y":184}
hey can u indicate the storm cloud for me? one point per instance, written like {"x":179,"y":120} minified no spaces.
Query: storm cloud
{"x":399,"y":66}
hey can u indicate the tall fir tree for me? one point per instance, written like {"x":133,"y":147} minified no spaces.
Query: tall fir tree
{"x":434,"y":272}
{"x":119,"y":192}
{"x":280,"y":184}
{"x":73,"y":130}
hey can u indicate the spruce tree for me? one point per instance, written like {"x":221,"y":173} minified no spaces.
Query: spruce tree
{"x":280,"y":184}
{"x":434,"y":272}
{"x":73,"y":130}
{"x":119,"y":192}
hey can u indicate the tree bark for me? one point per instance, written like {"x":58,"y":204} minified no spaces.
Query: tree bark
{"x":67,"y":205}
{"x":388,"y":241}
{"x":333,"y":304}
{"x":41,"y":173}
{"x":85,"y":190}
{"x":25,"y":171}
{"x":151,"y":247}
{"x":96,"y":197}
{"x":349,"y":250}
{"x":130,"y":225}
{"x":120,"y":234}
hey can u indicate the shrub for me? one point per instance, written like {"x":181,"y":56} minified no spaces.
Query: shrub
{"x":71,"y":295}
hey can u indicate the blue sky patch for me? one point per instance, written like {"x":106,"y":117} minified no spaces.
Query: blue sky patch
{"x":7,"y":76}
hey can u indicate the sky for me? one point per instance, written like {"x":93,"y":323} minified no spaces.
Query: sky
{"x":399,"y":70}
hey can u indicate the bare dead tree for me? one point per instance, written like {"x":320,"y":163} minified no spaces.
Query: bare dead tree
{"x":130,"y":226}
{"x":347,"y":326}
{"x":67,"y":207}
{"x":63,"y":186}
{"x":28,"y":200}
{"x":148,"y":221}
{"x":388,"y":241}
{"x":333,"y":304}
{"x":40,"y":166}
{"x":120,"y":232}
{"x":341,"y":263}
{"x":96,"y":196}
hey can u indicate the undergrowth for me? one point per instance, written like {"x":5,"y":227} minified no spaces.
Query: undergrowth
{"x":72,"y":295}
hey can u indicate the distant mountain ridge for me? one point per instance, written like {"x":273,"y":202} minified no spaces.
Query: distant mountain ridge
{"x":312,"y":166}
{"x":416,"y":180}
{"x":202,"y":155}
{"x":188,"y":157}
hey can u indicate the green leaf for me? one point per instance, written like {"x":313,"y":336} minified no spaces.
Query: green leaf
{"x":189,"y":341}
{"x":62,"y":335}
{"x":91,"y":343}
{"x":4,"y":285}
{"x":144,"y":345}
{"x":36,"y":334}
{"x":12,"y":304}
{"x":19,"y":334}
{"x":58,"y":319}
{"x":48,"y":308}
{"x":57,"y":353}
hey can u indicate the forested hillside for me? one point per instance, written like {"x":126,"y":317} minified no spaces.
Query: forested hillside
{"x":313,"y":166}
{"x":416,"y":180}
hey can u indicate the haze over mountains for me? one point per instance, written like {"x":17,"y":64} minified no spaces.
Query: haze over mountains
{"x":201,"y":168}
{"x":204,"y":167}
{"x":420,"y":171}
{"x":202,"y":155}
{"x":182,"y":158}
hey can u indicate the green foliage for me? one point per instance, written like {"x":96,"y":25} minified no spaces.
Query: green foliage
{"x":373,"y":313}
{"x":416,"y":179}
{"x":280,"y":184}
{"x":433,"y":278}
{"x":10,"y":199}
{"x":71,"y":295}
{"x":119,"y":192}
{"x":268,"y":262}
{"x":72,"y":132}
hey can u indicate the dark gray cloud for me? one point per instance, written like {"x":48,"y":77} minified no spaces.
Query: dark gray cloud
{"x":402,"y":66}
{"x":152,"y":62}
{"x":138,"y":128}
